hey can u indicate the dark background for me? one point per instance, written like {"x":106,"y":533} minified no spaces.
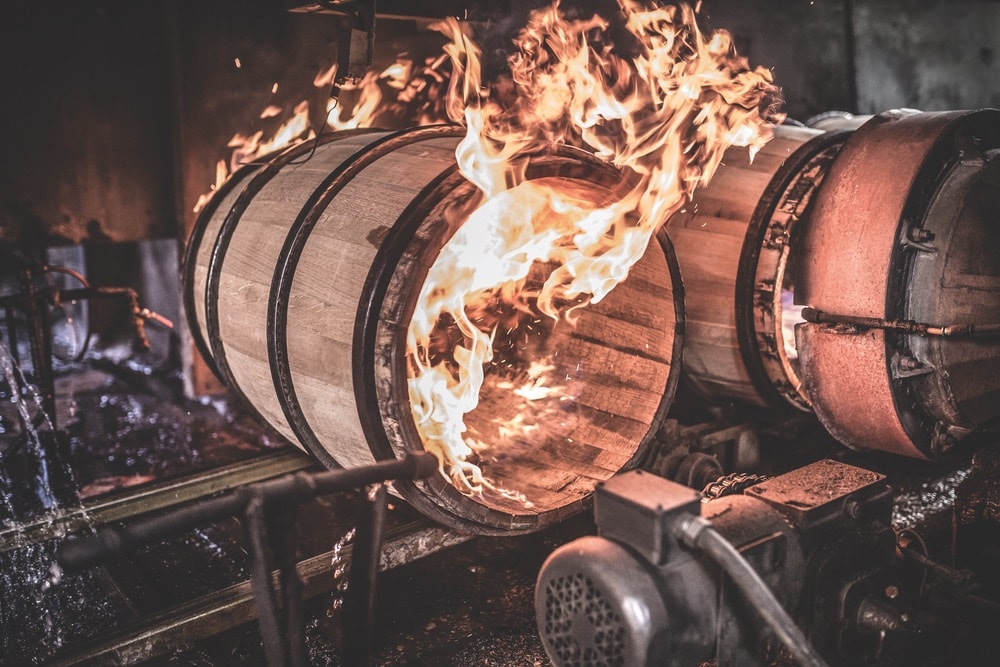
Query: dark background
{"x":113,"y":113}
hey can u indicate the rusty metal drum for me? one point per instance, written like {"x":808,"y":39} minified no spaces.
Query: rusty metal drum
{"x":902,"y":280}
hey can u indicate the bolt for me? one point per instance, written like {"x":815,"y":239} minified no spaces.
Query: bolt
{"x":922,"y":235}
{"x":942,"y":442}
{"x":892,"y":591}
{"x":909,"y":363}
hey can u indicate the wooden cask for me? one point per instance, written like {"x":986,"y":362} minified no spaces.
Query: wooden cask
{"x":300,"y":282}
{"x":736,"y":245}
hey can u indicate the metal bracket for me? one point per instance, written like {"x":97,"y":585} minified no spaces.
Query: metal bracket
{"x":905,"y":366}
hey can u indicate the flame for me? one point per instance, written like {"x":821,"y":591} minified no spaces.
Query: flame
{"x":325,"y":77}
{"x":400,"y":95}
{"x":248,"y":148}
{"x":295,"y":129}
{"x":545,"y":248}
{"x":398,"y":74}
{"x":270,"y":111}
{"x":363,"y":112}
{"x":221,"y":176}
{"x":791,"y":316}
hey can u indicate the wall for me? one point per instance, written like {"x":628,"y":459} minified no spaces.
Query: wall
{"x":85,"y":140}
{"x":927,"y":55}
{"x":807,"y":45}
{"x":115,"y":112}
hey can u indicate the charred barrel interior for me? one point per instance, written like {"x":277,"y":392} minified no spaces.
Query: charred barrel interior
{"x":591,"y":332}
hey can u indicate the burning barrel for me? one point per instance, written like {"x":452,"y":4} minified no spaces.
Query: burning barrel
{"x":301,"y":279}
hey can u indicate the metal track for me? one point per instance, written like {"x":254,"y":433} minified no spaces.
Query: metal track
{"x":178,"y":628}
{"x":149,"y":497}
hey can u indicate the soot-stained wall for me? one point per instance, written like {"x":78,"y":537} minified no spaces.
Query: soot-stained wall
{"x":110,"y":106}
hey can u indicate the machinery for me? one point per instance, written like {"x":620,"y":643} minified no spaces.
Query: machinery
{"x":733,"y":574}
{"x":675,"y":577}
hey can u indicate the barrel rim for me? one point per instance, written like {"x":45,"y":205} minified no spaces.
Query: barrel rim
{"x":287,"y":264}
{"x":784,"y":400}
{"x":365,"y":334}
{"x":441,"y":500}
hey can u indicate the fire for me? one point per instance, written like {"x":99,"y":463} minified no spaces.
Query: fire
{"x":398,"y":96}
{"x":221,"y":176}
{"x":295,"y":129}
{"x":662,"y":109}
{"x":369,"y":102}
{"x":535,"y":251}
{"x":249,"y":148}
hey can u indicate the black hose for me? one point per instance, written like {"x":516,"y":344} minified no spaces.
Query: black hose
{"x":698,"y":534}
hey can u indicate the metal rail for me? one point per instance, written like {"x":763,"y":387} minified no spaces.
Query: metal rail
{"x":181,"y":626}
{"x":149,"y":497}
{"x":904,"y":326}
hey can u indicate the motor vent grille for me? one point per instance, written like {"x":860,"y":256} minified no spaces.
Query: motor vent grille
{"x":581,"y":628}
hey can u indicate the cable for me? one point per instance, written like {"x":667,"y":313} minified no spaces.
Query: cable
{"x":312,"y":151}
{"x":698,"y":534}
{"x":65,"y":270}
{"x":82,"y":279}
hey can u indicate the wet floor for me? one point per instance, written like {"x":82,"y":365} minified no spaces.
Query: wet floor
{"x":125,"y":428}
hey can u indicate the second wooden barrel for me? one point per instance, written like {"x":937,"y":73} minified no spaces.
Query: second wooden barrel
{"x":736,"y":243}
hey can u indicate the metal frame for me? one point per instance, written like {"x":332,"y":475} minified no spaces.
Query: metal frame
{"x":266,"y":510}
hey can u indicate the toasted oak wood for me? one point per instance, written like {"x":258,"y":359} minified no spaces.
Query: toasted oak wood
{"x":708,"y":237}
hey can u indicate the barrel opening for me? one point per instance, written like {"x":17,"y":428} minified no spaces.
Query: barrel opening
{"x":767,"y":303}
{"x":563,"y":405}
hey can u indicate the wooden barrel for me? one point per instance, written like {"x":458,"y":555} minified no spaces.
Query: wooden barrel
{"x":300,"y":283}
{"x":736,"y":243}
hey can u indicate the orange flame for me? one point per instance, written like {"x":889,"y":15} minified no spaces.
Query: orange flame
{"x":363,"y":112}
{"x":247,"y":149}
{"x":665,"y":116}
{"x":412,"y":100}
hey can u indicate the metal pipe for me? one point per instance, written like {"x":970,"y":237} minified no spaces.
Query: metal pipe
{"x":36,"y":310}
{"x":906,"y":326}
{"x":359,"y":600}
{"x":181,"y":626}
{"x":147,"y":498}
{"x":79,"y":554}
{"x":698,"y":534}
{"x":261,"y":564}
